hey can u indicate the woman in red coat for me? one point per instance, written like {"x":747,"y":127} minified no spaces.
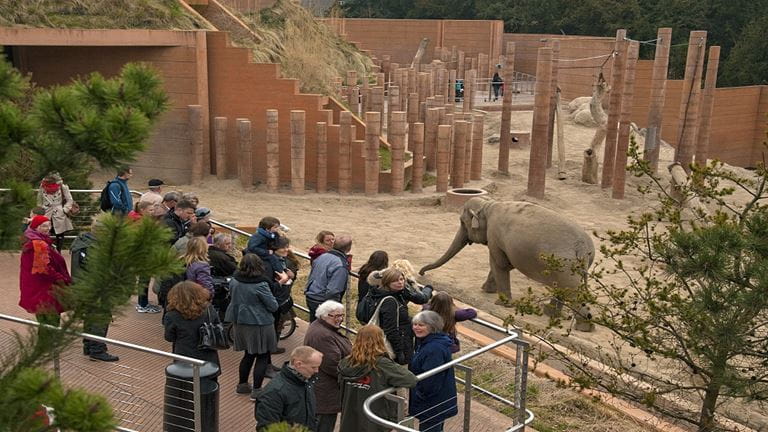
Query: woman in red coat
{"x":42,"y":274}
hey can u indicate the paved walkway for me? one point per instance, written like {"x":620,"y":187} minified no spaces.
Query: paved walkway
{"x":135,"y":385}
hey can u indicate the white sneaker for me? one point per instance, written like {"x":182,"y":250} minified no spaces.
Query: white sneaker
{"x":148,"y":309}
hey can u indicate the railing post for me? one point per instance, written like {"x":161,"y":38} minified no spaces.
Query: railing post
{"x":521,"y":379}
{"x":197,"y":398}
{"x":467,"y":396}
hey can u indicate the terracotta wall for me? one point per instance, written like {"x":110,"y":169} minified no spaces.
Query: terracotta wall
{"x":167,"y":155}
{"x":399,"y":38}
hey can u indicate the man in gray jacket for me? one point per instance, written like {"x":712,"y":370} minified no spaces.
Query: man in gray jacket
{"x":329,"y":276}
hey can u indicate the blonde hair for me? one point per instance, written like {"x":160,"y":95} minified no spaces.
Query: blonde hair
{"x":197,"y":250}
{"x":368,"y":346}
{"x":388,"y":276}
{"x":406,"y":268}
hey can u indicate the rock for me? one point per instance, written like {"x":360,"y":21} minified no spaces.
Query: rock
{"x":576,"y":103}
{"x":583,"y":116}
{"x":494,"y":139}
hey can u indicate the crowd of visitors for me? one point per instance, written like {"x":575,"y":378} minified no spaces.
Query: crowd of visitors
{"x":253,"y":292}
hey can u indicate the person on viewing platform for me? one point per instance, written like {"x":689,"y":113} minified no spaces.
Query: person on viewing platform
{"x":442,"y":303}
{"x":366,"y":371}
{"x":192,"y":198}
{"x":379,"y":260}
{"x":197,"y":229}
{"x":251,"y":311}
{"x":497,"y":83}
{"x":43,"y":274}
{"x":203,"y":214}
{"x":223,"y":266}
{"x":262,"y":243}
{"x":282,"y":291}
{"x":388,"y":288}
{"x":324,"y":335}
{"x":188,"y":307}
{"x":119,"y":194}
{"x":290,"y":396}
{"x":329,"y":276}
{"x":177,"y":219}
{"x":170,"y":200}
{"x":142,"y":209}
{"x":155,"y":198}
{"x":323,"y":243}
{"x":198,"y":267}
{"x":54,"y":197}
{"x":433,"y":400}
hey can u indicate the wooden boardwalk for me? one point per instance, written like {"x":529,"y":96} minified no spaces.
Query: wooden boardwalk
{"x":135,"y":384}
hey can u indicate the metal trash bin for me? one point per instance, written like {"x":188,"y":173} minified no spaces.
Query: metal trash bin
{"x":179,"y":403}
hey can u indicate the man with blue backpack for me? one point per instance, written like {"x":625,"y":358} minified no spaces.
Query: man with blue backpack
{"x":116,"y":197}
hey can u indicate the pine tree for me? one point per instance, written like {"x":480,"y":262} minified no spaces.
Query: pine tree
{"x":684,"y":291}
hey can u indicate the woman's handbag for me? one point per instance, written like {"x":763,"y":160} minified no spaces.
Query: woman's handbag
{"x":74,"y":209}
{"x":213,"y":336}
{"x":375,"y":319}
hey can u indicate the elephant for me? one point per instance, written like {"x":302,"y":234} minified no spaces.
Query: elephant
{"x":521,"y":235}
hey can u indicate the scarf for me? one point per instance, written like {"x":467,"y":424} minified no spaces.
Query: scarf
{"x":50,"y":188}
{"x":40,"y":249}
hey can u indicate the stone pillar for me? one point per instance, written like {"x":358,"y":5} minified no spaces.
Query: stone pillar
{"x":505,"y":139}
{"x":380,"y":79}
{"x":482,"y":67}
{"x":689,"y":101}
{"x":195,"y":125}
{"x":298,"y":143}
{"x":423,"y":91}
{"x":460,"y":66}
{"x":273,"y":151}
{"x":397,"y":143}
{"x":220,"y":140}
{"x":418,"y":158}
{"x":442,"y":78}
{"x":537,"y":168}
{"x":322,"y":157}
{"x":658,"y":88}
{"x":476,"y":170}
{"x":468,"y":146}
{"x":393,"y":104}
{"x":553,"y":94}
{"x":372,"y":132}
{"x":386,"y":62}
{"x":620,"y":165}
{"x":452,"y":86}
{"x":245,"y":159}
{"x":404,"y":89}
{"x":345,"y":152}
{"x":707,"y":103}
{"x":430,"y":137}
{"x":413,"y":116}
{"x":614,"y":108}
{"x":413,"y":84}
{"x":365,"y":95}
{"x":377,"y":102}
{"x":459,"y":151}
{"x":353,"y":98}
{"x":443,"y":147}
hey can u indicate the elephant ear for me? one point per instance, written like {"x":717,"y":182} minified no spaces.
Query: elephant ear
{"x":475,"y":219}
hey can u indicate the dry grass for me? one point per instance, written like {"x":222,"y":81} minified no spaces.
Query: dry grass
{"x":306,"y":50}
{"x":121,"y":14}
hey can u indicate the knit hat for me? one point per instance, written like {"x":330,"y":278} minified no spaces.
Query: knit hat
{"x":37,"y":221}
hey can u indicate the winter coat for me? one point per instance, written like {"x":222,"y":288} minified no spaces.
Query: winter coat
{"x":433,"y":399}
{"x":259,"y":243}
{"x":200,"y":272}
{"x":282,"y":293}
{"x":120,"y":196}
{"x":358,"y":383}
{"x":79,"y":251}
{"x":329,"y":277}
{"x":177,"y":226}
{"x":222,"y":263}
{"x":289,"y":397}
{"x":315,"y":251}
{"x":459,"y":315}
{"x":185,"y":335}
{"x":57,"y":206}
{"x":334,"y":346}
{"x":251,"y":301}
{"x":41,"y":272}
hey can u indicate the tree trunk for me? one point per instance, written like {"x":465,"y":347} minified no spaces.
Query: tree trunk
{"x":590,"y":167}
{"x":707,"y":414}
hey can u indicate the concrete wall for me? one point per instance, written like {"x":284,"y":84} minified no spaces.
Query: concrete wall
{"x":167,"y":154}
{"x":399,"y":38}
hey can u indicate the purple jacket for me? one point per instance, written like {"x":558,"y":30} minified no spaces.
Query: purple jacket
{"x":200,"y":272}
{"x":465,"y":314}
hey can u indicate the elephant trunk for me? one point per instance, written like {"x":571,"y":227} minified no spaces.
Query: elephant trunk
{"x":460,"y":240}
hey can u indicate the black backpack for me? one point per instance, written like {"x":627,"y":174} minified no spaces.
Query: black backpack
{"x":105,"y":204}
{"x":365,"y":308}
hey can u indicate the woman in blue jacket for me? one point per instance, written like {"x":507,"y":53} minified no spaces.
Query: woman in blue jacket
{"x":433,"y":400}
{"x":251,"y":311}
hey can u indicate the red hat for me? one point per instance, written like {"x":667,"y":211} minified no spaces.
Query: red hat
{"x":37,"y":221}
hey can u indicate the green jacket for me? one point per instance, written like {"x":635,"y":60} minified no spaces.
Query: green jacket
{"x":360,"y":382}
{"x":288,"y":397}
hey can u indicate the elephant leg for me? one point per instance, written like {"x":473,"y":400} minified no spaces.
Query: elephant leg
{"x":498,"y":277}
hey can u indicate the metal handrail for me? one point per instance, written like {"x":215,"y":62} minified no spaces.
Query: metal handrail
{"x":196,"y":363}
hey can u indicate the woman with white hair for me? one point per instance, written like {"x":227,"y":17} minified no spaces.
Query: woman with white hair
{"x":325,"y":336}
{"x":433,"y":400}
